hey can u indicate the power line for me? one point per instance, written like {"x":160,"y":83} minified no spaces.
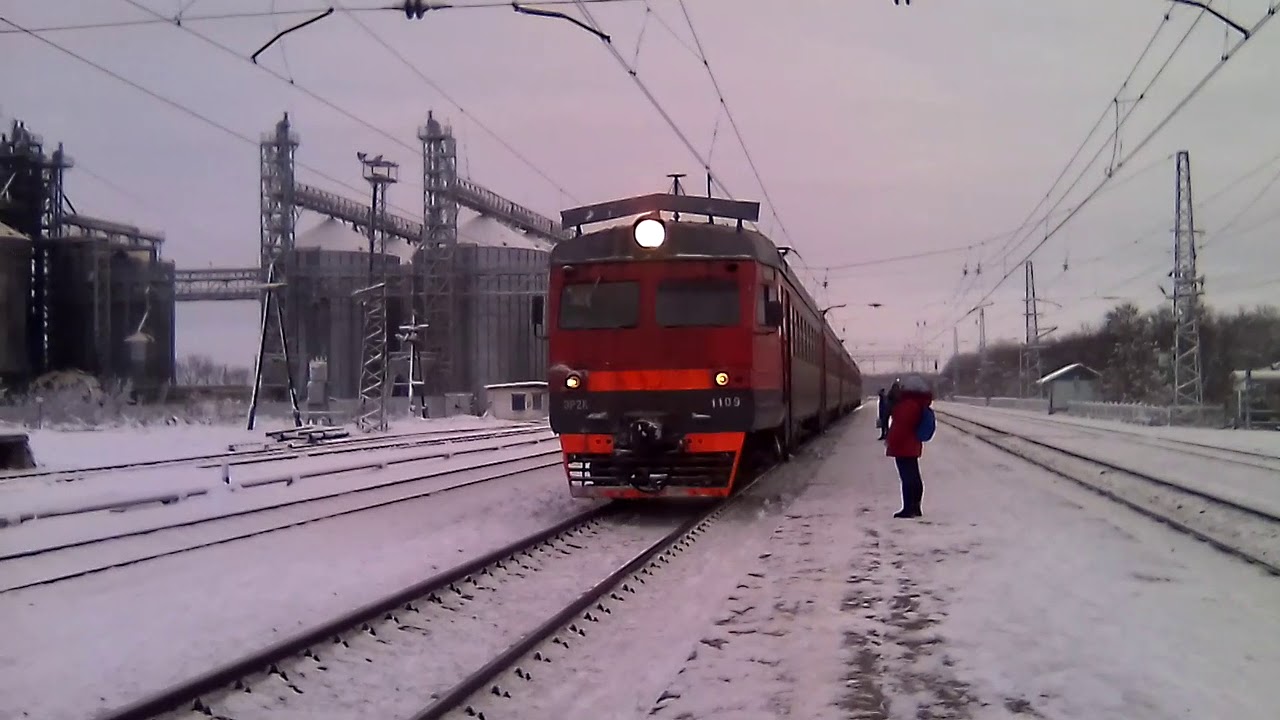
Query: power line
{"x":706,"y":63}
{"x":448,"y":98}
{"x":635,"y":77}
{"x":1106,"y":111}
{"x":174,"y":104}
{"x":1195,"y":90}
{"x":320,"y":98}
{"x":250,"y":15}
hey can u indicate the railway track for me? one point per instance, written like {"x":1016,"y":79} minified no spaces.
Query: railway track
{"x":43,"y":565}
{"x":1248,"y":458}
{"x":290,"y":451}
{"x":426,"y":650}
{"x":1237,"y":528}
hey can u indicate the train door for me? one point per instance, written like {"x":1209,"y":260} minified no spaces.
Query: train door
{"x":788,"y":352}
{"x":822,"y":375}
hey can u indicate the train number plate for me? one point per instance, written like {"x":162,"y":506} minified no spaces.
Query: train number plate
{"x":575,"y":404}
{"x":726,"y":401}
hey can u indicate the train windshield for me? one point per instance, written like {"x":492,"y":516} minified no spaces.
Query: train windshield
{"x":600,"y":305}
{"x":698,"y":303}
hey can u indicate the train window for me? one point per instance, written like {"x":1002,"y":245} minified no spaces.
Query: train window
{"x":698,"y":303}
{"x":600,"y":305}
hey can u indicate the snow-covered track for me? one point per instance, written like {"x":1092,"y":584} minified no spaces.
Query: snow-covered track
{"x":1238,"y":456}
{"x":281,"y":452}
{"x":1237,"y":528}
{"x":260,"y":673}
{"x":48,"y":564}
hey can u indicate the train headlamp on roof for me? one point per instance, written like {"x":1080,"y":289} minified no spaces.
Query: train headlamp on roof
{"x":650,"y":232}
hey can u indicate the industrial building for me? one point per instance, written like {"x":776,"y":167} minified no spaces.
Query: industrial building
{"x":436,"y":309}
{"x":449,"y":314}
{"x":77,"y":293}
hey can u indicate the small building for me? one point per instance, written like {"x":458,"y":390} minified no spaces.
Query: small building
{"x":1076,"y":382}
{"x":517,"y":401}
{"x":1255,"y":398}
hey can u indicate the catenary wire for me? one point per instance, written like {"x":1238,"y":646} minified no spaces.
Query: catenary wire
{"x":314,"y":95}
{"x":1177,"y":109}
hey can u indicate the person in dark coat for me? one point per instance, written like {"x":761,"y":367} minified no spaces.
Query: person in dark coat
{"x":882,"y":414}
{"x":902,"y":445}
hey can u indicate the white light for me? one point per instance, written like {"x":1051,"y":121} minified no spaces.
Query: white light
{"x":650,"y":233}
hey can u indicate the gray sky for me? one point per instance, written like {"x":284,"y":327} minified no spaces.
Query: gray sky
{"x":879,"y":131}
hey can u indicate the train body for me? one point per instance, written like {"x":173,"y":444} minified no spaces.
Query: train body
{"x":678,"y":349}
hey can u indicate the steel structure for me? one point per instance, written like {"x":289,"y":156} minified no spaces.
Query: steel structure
{"x":434,"y":288}
{"x":278,"y":217}
{"x":1029,"y":358}
{"x":380,"y":174}
{"x":1188,"y":388}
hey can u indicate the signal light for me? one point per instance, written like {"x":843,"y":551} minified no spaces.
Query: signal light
{"x":722,"y":379}
{"x":650,"y":233}
{"x":572,"y":382}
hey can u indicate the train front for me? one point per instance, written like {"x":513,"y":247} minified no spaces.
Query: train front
{"x":650,"y":366}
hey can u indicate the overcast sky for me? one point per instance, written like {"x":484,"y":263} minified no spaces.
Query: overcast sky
{"x":879,"y":131}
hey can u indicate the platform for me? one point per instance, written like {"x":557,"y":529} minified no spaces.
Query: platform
{"x":1018,"y":595}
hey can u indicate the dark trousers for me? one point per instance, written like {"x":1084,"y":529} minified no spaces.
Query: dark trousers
{"x":912,"y":484}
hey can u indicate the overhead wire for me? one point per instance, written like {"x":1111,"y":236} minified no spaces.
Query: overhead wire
{"x":329,"y":103}
{"x":1106,"y":111}
{"x":194,"y":114}
{"x":1177,"y":109}
{"x":1114,"y":138}
{"x":413,"y":67}
{"x":733,"y":123}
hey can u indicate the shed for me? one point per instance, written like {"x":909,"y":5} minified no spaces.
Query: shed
{"x":518,"y":400}
{"x":1076,"y":382}
{"x":1255,"y":400}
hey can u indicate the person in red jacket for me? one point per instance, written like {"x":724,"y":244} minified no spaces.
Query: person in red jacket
{"x":902,"y":445}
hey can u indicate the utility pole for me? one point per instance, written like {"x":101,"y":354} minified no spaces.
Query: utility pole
{"x":1188,"y":388}
{"x":1029,"y":358}
{"x":372,"y":415}
{"x":983,"y":370}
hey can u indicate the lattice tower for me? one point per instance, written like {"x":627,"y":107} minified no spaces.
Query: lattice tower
{"x":435,"y":294}
{"x":1188,"y":387}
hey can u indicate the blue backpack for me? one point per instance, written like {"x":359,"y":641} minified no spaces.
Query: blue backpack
{"x":928,"y":425}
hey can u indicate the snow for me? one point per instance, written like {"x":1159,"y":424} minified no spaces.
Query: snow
{"x":1247,"y":481}
{"x":1262,"y":441}
{"x":1019,"y":594}
{"x":98,"y":641}
{"x":69,"y":449}
{"x":485,"y":231}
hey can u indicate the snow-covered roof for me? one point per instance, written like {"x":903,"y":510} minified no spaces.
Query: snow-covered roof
{"x":332,"y":234}
{"x":8,"y":233}
{"x":485,"y":231}
{"x":522,"y":385}
{"x":1078,"y":369}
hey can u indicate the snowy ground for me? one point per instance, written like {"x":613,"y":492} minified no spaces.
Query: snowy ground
{"x":1247,"y":480}
{"x":1264,"y":441}
{"x":68,"y":449}
{"x":1019,"y":595}
{"x":80,"y":646}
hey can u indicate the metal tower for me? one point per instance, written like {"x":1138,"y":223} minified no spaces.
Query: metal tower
{"x":1188,"y":388}
{"x":1030,"y":355}
{"x":278,"y":214}
{"x":434,"y":289}
{"x":380,"y":174}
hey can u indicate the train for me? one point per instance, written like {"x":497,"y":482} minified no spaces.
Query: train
{"x":682,"y":349}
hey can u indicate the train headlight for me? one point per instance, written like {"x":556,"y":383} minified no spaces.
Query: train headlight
{"x":572,"y":382}
{"x":722,"y":379}
{"x":650,"y":233}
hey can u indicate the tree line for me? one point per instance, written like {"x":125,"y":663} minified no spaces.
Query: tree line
{"x":1134,"y":352}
